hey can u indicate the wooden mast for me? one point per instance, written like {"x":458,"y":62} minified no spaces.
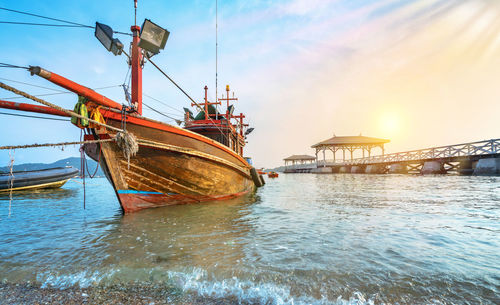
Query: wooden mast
{"x":135,"y":62}
{"x":136,"y":70}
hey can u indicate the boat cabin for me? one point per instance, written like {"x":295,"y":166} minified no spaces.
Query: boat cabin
{"x":225,"y":128}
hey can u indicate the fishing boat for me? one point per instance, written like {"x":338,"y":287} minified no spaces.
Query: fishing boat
{"x":36,"y":179}
{"x":158,"y":164}
{"x":272,"y":174}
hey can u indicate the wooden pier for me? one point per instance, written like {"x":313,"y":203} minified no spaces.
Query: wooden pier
{"x":300,"y":164}
{"x":475,"y":158}
{"x":478,"y":158}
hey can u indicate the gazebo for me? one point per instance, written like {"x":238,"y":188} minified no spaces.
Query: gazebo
{"x":299,"y":159}
{"x":349,"y":143}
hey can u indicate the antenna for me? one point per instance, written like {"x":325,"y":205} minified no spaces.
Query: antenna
{"x":216,"y":54}
{"x":135,"y":12}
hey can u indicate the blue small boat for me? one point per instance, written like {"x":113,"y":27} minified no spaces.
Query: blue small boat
{"x":37,"y":179}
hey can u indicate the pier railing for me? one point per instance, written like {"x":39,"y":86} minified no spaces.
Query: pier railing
{"x":487,"y":147}
{"x":329,"y":162}
{"x":301,"y":166}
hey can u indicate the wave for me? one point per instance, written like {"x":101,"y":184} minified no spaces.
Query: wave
{"x":196,"y":283}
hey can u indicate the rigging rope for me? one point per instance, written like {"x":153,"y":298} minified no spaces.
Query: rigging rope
{"x":54,"y":144}
{"x":163,"y":103}
{"x":125,"y":140}
{"x":161,"y":113}
{"x":34,"y":116}
{"x":190,"y":98}
{"x":69,"y":112}
{"x":173,"y":82}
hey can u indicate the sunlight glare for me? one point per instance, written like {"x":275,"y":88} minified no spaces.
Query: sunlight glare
{"x":389,"y":124}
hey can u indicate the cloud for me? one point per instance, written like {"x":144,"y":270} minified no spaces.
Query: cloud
{"x":304,"y":7}
{"x":425,"y":61}
{"x":306,"y":69}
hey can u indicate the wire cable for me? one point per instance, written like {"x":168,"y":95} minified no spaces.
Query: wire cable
{"x":45,"y":17}
{"x":70,"y":23}
{"x":163,"y":103}
{"x":28,"y":84}
{"x":34,"y":116}
{"x":173,"y":82}
{"x":161,"y":113}
{"x":37,"y":95}
{"x":6,"y":65}
{"x":49,"y":94}
{"x":190,"y":98}
{"x":43,"y":24}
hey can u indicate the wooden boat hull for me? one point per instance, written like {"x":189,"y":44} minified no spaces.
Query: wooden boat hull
{"x":172,"y":166}
{"x":38,"y":179}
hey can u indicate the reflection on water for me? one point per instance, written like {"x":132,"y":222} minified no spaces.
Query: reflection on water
{"x":40,"y":194}
{"x":300,"y":239}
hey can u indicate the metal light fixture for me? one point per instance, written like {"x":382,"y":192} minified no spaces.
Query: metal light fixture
{"x":248,"y":131}
{"x":230,"y":110}
{"x":191,"y":115}
{"x":104,"y":34}
{"x":153,"y":37}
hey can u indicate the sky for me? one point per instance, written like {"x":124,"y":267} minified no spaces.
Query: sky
{"x":421,"y":73}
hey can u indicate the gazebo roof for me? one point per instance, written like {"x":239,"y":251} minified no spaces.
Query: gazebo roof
{"x":351,"y":140}
{"x":300,"y":158}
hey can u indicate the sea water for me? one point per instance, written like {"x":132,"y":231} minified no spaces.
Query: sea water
{"x":300,"y":239}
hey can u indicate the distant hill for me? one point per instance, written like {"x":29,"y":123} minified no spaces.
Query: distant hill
{"x":278,"y":169}
{"x":72,"y":161}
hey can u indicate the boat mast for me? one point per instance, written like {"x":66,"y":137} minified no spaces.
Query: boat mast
{"x":136,"y":65}
{"x":216,"y":55}
{"x":206,"y":103}
{"x":227,"y":99}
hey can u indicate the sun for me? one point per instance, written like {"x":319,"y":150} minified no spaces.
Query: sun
{"x":389,"y":124}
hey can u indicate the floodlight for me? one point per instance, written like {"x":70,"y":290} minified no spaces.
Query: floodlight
{"x":230,"y":110}
{"x":153,"y":37}
{"x":116,"y":47}
{"x":249,"y":130}
{"x":104,"y":34}
{"x":191,"y":115}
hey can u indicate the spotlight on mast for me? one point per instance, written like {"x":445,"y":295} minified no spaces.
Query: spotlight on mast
{"x":104,"y":34}
{"x":153,"y":37}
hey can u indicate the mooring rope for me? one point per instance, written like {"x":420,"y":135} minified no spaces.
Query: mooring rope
{"x":82,"y":169}
{"x":11,"y":177}
{"x":97,"y":166}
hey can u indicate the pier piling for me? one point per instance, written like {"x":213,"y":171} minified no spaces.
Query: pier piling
{"x":433,"y":168}
{"x":398,"y":168}
{"x":487,"y":167}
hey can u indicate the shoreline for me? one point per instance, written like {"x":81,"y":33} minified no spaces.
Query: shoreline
{"x":28,"y":293}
